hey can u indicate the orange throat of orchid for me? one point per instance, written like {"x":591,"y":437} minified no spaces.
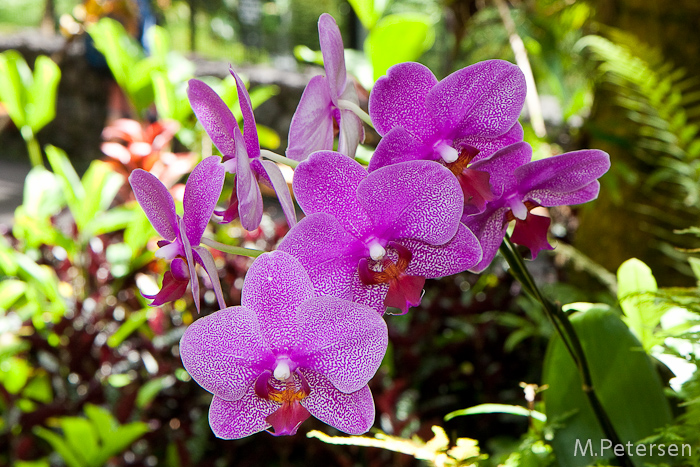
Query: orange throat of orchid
{"x":291,"y":414}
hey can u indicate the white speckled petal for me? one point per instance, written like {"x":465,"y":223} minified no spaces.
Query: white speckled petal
{"x":342,"y":340}
{"x":250,"y":131}
{"x":250,"y":204}
{"x":483,"y":99}
{"x":488,"y":146}
{"x":490,"y":228}
{"x":312,"y":123}
{"x":241,"y":418}
{"x":214,"y":115}
{"x":417,"y":199}
{"x":225,"y":352}
{"x":455,"y":256}
{"x":558,"y":180}
{"x":327,"y":182}
{"x":502,"y":164}
{"x":156,"y":202}
{"x":350,"y":413}
{"x":279,"y":184}
{"x":399,"y":146}
{"x":328,"y":253}
{"x":398,"y":99}
{"x":275,"y":285}
{"x":202,"y":192}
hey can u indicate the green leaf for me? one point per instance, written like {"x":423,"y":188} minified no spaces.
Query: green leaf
{"x":81,"y":436}
{"x":150,"y":390}
{"x":398,"y":38}
{"x":10,"y":291}
{"x":158,"y":41}
{"x":368,"y":11}
{"x":42,"y":193}
{"x":41,"y":98}
{"x":624,"y":379}
{"x":114,"y":438}
{"x":132,"y":323}
{"x":497,"y":408}
{"x":636,"y":287}
{"x":14,"y":373}
{"x":60,"y":446}
{"x":15,"y":76}
{"x":103,"y":184}
{"x":39,"y":389}
{"x":694,"y":265}
{"x":73,"y":190}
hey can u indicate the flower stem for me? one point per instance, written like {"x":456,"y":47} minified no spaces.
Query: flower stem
{"x":235,"y":250}
{"x":567,"y":333}
{"x":33,"y":147}
{"x":347,"y":105}
{"x":277,"y":158}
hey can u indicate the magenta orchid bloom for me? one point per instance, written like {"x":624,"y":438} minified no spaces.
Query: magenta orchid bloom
{"x":570,"y":178}
{"x":312,"y":126}
{"x":285,"y":354}
{"x":241,"y":154}
{"x":421,"y":118}
{"x":182,"y":234}
{"x":375,"y":238}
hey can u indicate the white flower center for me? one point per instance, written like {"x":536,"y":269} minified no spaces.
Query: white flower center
{"x":447,"y":152}
{"x":518,"y":207}
{"x":376,"y":251}
{"x":282,"y":371}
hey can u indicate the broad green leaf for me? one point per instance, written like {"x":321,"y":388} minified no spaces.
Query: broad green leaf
{"x":635,"y":288}
{"x":119,"y":49}
{"x":73,"y":190}
{"x":497,"y":408}
{"x":368,"y":11}
{"x":117,"y":218}
{"x":164,"y":94}
{"x":14,"y":373}
{"x":43,"y":196}
{"x":41,"y":96}
{"x":102,"y":184}
{"x":113,"y":437}
{"x":81,"y":436}
{"x":268,"y":137}
{"x":39,"y":388}
{"x":14,"y":78}
{"x":695,"y":266}
{"x":624,"y":379}
{"x":60,"y":446}
{"x":139,"y":231}
{"x":158,"y":41}
{"x":398,"y":38}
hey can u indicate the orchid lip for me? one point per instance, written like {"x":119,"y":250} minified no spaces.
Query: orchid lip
{"x":518,"y":208}
{"x":447,"y":152}
{"x":168,"y":251}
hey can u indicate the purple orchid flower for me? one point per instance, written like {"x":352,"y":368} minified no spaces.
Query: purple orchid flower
{"x":421,"y":118}
{"x":375,"y":238}
{"x":241,"y":154}
{"x":285,"y":354}
{"x":312,"y":126}
{"x":182,"y":234}
{"x":565,"y":179}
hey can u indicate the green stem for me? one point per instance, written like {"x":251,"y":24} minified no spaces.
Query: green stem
{"x":277,"y":158}
{"x":33,"y":148}
{"x":568,"y":335}
{"x":347,"y":105}
{"x":235,"y":250}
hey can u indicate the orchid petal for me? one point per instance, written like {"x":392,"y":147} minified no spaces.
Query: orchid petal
{"x":202,"y":192}
{"x":342,"y":340}
{"x":556,"y":180}
{"x":250,"y":131}
{"x":490,"y":228}
{"x":455,"y":256}
{"x":483,"y":99}
{"x":488,"y":146}
{"x":225,"y":351}
{"x":328,"y":253}
{"x":532,"y":233}
{"x":371,"y":295}
{"x":207,"y":262}
{"x":417,"y":199}
{"x":214,"y":115}
{"x":171,"y":290}
{"x":279,"y":184}
{"x":350,"y":413}
{"x":351,"y":133}
{"x":312,"y":123}
{"x":502,"y":164}
{"x":327,"y":182}
{"x":398,"y":99}
{"x":333,"y":55}
{"x":275,"y":286}
{"x":399,"y":146}
{"x":250,"y":206}
{"x":240,"y":418}
{"x":156,"y":202}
